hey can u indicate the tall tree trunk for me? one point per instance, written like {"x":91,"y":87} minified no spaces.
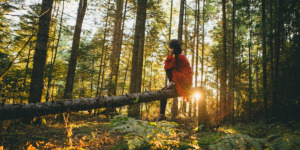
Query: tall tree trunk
{"x":116,"y":47}
{"x":170,"y":32}
{"x":202,"y":52}
{"x":275,"y":103}
{"x":271,"y":54}
{"x":193,"y":60}
{"x":197,"y":50}
{"x":55,"y":53}
{"x":92,"y":72}
{"x":116,"y":51}
{"x":103,"y":70}
{"x":223,"y":78}
{"x":218,"y":91}
{"x":264,"y":58}
{"x":125,"y":77}
{"x":232,"y":66}
{"x":26,"y":67}
{"x":250,"y":63}
{"x":75,"y":48}
{"x":103,"y":47}
{"x":180,"y":25}
{"x":238,"y":74}
{"x":202,"y":110}
{"x":141,"y":55}
{"x":197,"y":39}
{"x":134,"y":110}
{"x":40,"y":55}
{"x":123,"y":24}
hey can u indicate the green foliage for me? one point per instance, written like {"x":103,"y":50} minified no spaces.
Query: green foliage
{"x":255,"y":136}
{"x":209,"y":138}
{"x":118,"y":147}
{"x":184,"y":146}
{"x":142,"y":134}
{"x":136,"y":100}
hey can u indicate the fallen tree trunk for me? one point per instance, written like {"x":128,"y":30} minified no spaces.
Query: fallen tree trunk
{"x":10,"y":111}
{"x":14,"y":111}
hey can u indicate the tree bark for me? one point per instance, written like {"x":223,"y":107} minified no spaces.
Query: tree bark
{"x":250,"y":63}
{"x":197,"y":39}
{"x":55,"y":54}
{"x":271,"y":53}
{"x":116,"y":48}
{"x":125,"y":77}
{"x":232,"y":71}
{"x":141,"y":54}
{"x":202,"y":111}
{"x":75,"y":48}
{"x":180,"y":25}
{"x":170,"y":32}
{"x":224,"y":64}
{"x":103,"y":47}
{"x":40,"y":55}
{"x":202,"y":52}
{"x":10,"y":111}
{"x":193,"y":61}
{"x":103,"y":70}
{"x":27,"y":64}
{"x":134,"y":110}
{"x":275,"y":102}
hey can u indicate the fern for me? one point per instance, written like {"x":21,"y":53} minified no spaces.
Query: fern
{"x":142,"y":133}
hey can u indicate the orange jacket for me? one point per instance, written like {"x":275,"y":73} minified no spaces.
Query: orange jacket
{"x":183,"y":77}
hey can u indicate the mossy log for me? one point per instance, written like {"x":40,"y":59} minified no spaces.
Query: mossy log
{"x":14,"y":111}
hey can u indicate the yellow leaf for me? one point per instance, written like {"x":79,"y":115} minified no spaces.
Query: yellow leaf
{"x":30,"y":147}
{"x":37,"y":144}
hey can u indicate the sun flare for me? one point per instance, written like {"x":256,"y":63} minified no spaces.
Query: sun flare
{"x":197,"y":96}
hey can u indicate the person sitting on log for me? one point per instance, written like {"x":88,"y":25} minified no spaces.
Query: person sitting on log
{"x":179,"y":73}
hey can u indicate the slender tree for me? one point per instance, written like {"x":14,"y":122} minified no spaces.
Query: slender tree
{"x":271,"y":53}
{"x":56,"y":49}
{"x":250,"y":61}
{"x":134,"y":110}
{"x":264,"y":58}
{"x":202,"y":111}
{"x":232,"y":66}
{"x":180,"y":23}
{"x":103,"y":47}
{"x":223,"y":77}
{"x":170,"y":32}
{"x":75,"y":47}
{"x":40,"y":55}
{"x":202,"y":52}
{"x":116,"y":47}
{"x":277,"y":42}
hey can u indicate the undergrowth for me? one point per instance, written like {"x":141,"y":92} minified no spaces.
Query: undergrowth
{"x":122,"y":133}
{"x":163,"y":135}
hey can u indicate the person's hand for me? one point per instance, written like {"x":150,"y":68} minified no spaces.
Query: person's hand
{"x":171,"y":51}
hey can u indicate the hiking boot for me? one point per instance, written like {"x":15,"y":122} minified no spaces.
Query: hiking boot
{"x":161,"y":117}
{"x":169,"y":86}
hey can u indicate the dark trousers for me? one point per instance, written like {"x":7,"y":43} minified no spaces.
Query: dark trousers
{"x":163,"y":102}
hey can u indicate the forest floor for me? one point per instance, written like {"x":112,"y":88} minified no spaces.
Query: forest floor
{"x":88,"y":132}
